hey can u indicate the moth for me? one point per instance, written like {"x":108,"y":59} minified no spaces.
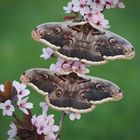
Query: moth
{"x":82,"y":41}
{"x":71,"y":91}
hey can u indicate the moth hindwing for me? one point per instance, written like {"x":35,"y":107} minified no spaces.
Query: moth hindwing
{"x":71,"y":91}
{"x":83,"y":41}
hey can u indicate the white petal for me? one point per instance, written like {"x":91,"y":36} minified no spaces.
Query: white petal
{"x":108,"y":6}
{"x":23,"y":86}
{"x":84,"y":10}
{"x":26,"y":92}
{"x":4,"y":112}
{"x":2,"y":105}
{"x":12,"y":108}
{"x":76,"y":8}
{"x":24,"y":110}
{"x":50,"y":120}
{"x":50,"y":136}
{"x":29,"y":105}
{"x":47,"y":53}
{"x":115,"y":1}
{"x":1,"y":88}
{"x":78,"y":116}
{"x":44,"y":107}
{"x":9,"y":113}
{"x":76,"y":2}
{"x":55,"y":128}
{"x":17,"y":85}
{"x":34,"y":119}
{"x":13,"y":131}
{"x":121,"y":5}
{"x":7,"y":102}
{"x":68,"y":9}
{"x":39,"y":131}
{"x":72,"y":116}
{"x":52,"y":67}
{"x":46,"y":130}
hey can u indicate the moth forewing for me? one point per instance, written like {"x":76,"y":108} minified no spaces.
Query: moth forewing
{"x":54,"y":47}
{"x":41,"y":92}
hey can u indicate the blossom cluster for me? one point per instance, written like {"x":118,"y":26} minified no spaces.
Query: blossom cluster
{"x":67,"y":66}
{"x":15,"y":95}
{"x":39,"y":127}
{"x":10,"y":93}
{"x":64,"y":65}
{"x":92,"y":10}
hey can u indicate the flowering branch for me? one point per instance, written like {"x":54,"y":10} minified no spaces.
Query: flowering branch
{"x":92,"y":10}
{"x":15,"y":95}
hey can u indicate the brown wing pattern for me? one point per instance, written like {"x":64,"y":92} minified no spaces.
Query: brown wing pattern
{"x":71,"y":91}
{"x":83,"y":41}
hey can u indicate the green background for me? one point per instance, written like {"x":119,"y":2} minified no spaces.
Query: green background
{"x":18,"y":52}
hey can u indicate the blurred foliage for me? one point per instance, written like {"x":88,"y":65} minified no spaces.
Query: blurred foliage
{"x":18,"y":52}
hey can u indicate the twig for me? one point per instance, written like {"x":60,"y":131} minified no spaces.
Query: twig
{"x":60,"y":125}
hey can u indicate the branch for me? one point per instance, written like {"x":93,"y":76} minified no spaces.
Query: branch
{"x":60,"y":125}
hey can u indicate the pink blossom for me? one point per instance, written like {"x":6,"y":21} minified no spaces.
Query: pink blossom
{"x":92,"y":10}
{"x":47,"y":53}
{"x":68,"y":8}
{"x":42,"y":126}
{"x":21,"y":89}
{"x":67,"y":66}
{"x":23,"y":105}
{"x":89,"y":2}
{"x":45,"y":124}
{"x":97,"y":19}
{"x":12,"y":132}
{"x":7,"y":107}
{"x":97,"y":8}
{"x":80,"y":6}
{"x":57,"y":66}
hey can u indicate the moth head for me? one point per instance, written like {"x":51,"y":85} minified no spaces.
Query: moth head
{"x":106,"y":91}
{"x":113,"y":46}
{"x":73,"y":77}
